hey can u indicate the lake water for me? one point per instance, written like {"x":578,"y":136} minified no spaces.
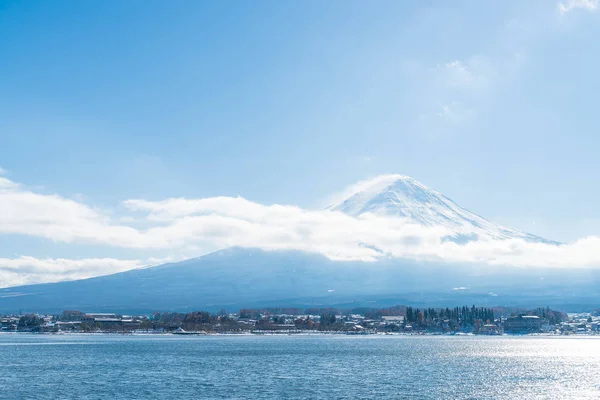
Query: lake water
{"x":298,"y":367}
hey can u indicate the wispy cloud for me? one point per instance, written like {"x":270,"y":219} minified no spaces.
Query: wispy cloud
{"x":28,"y":270}
{"x":458,"y":86}
{"x":571,"y":5}
{"x":452,"y":113}
{"x":455,"y":112}
{"x":6,"y":184}
{"x":471,"y":81}
{"x":474,"y":73}
{"x":374,"y":183}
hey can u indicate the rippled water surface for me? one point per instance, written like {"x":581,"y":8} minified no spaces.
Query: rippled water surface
{"x":298,"y":367}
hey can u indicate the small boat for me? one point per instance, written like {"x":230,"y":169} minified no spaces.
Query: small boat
{"x":180,"y":331}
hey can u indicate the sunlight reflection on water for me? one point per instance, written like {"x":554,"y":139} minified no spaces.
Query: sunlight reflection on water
{"x":302,"y":367}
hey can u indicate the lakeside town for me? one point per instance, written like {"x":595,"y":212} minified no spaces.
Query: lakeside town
{"x":392,"y":320}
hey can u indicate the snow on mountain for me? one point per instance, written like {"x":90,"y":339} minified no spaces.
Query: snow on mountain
{"x":404,"y":197}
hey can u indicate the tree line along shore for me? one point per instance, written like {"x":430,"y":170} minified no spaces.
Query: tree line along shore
{"x":397,"y":319}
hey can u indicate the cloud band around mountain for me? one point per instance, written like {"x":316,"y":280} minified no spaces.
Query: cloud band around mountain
{"x":199,"y":226}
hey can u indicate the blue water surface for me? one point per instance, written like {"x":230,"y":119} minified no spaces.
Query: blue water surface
{"x":297,"y":367}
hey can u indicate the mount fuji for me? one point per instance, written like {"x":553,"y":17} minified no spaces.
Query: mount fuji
{"x":404,"y":197}
{"x":250,"y":277}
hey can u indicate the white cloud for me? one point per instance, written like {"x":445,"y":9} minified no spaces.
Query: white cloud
{"x":54,"y":217}
{"x":570,"y":5}
{"x":450,"y":113}
{"x":202,"y":225}
{"x":6,"y":184}
{"x":25,"y":270}
{"x":29,"y":270}
{"x":459,"y":86}
{"x":474,"y":73}
{"x":2,"y":171}
{"x":454,"y":112}
{"x":375,"y":183}
{"x":472,"y":80}
{"x":239,"y":222}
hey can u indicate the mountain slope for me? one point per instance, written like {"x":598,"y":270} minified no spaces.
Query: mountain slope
{"x":241,"y":277}
{"x":237,"y":278}
{"x":404,"y":197}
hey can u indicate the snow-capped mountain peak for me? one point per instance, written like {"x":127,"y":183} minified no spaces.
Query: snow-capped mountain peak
{"x":404,"y":197}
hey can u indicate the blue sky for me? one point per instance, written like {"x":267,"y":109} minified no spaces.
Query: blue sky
{"x":491,"y":103}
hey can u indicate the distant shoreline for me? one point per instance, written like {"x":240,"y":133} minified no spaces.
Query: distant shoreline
{"x":212,"y":334}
